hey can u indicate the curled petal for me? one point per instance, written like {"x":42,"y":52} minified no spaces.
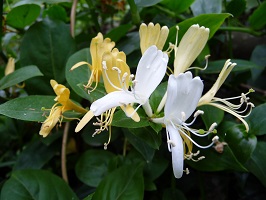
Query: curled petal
{"x":177,"y":149}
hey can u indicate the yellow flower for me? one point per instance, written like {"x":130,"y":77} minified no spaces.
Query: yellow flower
{"x":10,"y":67}
{"x":152,"y":35}
{"x":190,"y":47}
{"x":97,"y":48}
{"x":56,"y":113}
{"x":224,"y":104}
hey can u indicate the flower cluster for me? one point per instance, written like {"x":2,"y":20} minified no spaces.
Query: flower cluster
{"x":129,"y":92}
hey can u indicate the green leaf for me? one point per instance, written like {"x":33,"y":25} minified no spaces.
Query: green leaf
{"x":257,"y":162}
{"x":19,"y":76}
{"x":23,"y":15}
{"x":205,"y":7}
{"x":117,"y":33}
{"x":258,"y":57}
{"x":27,"y":108}
{"x":211,"y":115}
{"x":129,"y":43}
{"x":79,"y":76}
{"x":57,"y":12}
{"x":30,"y":157}
{"x":145,"y":150}
{"x":48,"y":44}
{"x":173,"y":193}
{"x":36,"y":184}
{"x":125,"y":182}
{"x":146,"y":3}
{"x":211,"y":21}
{"x":121,"y":120}
{"x":257,"y":19}
{"x":242,"y":65}
{"x":157,"y":96}
{"x":236,"y":7}
{"x":178,"y":6}
{"x":92,"y":166}
{"x":147,"y":135}
{"x":241,"y":142}
{"x":257,"y":120}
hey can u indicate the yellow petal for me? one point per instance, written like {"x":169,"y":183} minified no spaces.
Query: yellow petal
{"x":10,"y":67}
{"x":131,"y":112}
{"x":86,"y":118}
{"x":80,"y":64}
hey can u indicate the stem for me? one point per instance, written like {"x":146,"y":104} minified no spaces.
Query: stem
{"x":73,"y":18}
{"x":241,"y":29}
{"x":134,"y":12}
{"x":63,"y":152}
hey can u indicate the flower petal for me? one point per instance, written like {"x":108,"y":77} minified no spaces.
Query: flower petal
{"x":183,"y":94}
{"x":86,"y":118}
{"x":112,"y":100}
{"x":177,"y":150}
{"x":150,"y":71}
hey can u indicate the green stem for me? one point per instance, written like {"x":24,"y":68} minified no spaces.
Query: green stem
{"x":240,"y":29}
{"x":134,"y":12}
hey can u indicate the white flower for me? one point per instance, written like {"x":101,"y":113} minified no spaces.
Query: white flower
{"x":183,"y":94}
{"x":150,"y":72}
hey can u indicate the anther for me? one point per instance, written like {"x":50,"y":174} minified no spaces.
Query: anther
{"x":215,"y":139}
{"x":198,"y":112}
{"x":171,"y":142}
{"x":116,"y":69}
{"x":212,"y":127}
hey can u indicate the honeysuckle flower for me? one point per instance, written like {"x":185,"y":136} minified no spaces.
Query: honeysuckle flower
{"x":152,"y":35}
{"x":98,"y":47}
{"x":150,"y":72}
{"x":183,"y":94}
{"x":225,"y":104}
{"x":190,"y":47}
{"x":63,"y":104}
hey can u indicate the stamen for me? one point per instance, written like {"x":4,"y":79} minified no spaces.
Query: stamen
{"x":105,"y":69}
{"x":171,"y":142}
{"x":186,"y":171}
{"x":206,"y":65}
{"x":183,"y":116}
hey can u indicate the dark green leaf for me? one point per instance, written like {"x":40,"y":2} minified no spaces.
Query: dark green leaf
{"x":173,"y":193}
{"x":28,"y":108}
{"x":146,"y":3}
{"x":257,"y":162}
{"x":92,"y":166}
{"x":48,"y":44}
{"x":125,"y":182}
{"x":236,"y":7}
{"x":36,"y":184}
{"x":257,"y":120}
{"x":119,"y":32}
{"x":211,"y":115}
{"x":130,"y":43}
{"x":145,"y":150}
{"x":241,"y":142}
{"x":57,"y":12}
{"x":258,"y":57}
{"x":19,"y":76}
{"x":178,"y":6}
{"x":257,"y":19}
{"x":147,"y":135}
{"x":211,"y":21}
{"x":157,"y":96}
{"x":205,"y":7}
{"x":23,"y":15}
{"x":121,"y":120}
{"x":79,"y":76}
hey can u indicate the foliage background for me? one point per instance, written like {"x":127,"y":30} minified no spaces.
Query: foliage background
{"x":46,"y":41}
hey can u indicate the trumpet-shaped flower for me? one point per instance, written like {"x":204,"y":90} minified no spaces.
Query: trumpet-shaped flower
{"x":190,"y":47}
{"x":183,"y":94}
{"x":98,"y":47}
{"x":150,"y":72}
{"x":152,"y":35}
{"x":56,"y":113}
{"x":224,"y":104}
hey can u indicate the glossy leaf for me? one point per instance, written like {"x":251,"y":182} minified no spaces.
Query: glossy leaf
{"x":257,"y":163}
{"x":146,"y":3}
{"x":177,"y":6}
{"x":19,"y":76}
{"x":257,"y":19}
{"x":206,"y":6}
{"x":27,"y":108}
{"x":117,"y":33}
{"x":211,"y":115}
{"x":236,"y":7}
{"x":36,"y":184}
{"x":23,"y":15}
{"x":125,"y":182}
{"x":57,"y":12}
{"x":50,"y":50}
{"x":121,"y":120}
{"x":157,"y":96}
{"x":91,"y":169}
{"x":257,"y":120}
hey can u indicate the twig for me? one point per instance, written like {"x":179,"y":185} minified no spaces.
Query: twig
{"x":63,"y":152}
{"x":73,"y":18}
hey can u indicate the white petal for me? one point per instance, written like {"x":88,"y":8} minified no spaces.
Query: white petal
{"x":177,"y":151}
{"x":112,"y":100}
{"x":150,"y":71}
{"x":183,"y":94}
